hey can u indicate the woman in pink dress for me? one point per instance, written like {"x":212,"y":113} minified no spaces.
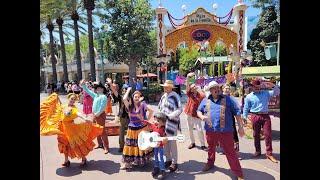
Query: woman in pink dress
{"x":87,"y":101}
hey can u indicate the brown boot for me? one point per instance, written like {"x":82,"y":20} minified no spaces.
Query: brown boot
{"x":271,"y":158}
{"x":192,"y":145}
{"x":207,"y":167}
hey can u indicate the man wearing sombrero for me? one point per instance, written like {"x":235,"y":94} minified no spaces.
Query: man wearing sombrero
{"x":98,"y":110}
{"x":170,"y":105}
{"x":256,"y":106}
{"x":217,"y":111}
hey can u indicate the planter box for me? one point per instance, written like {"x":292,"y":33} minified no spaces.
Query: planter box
{"x":113,"y":128}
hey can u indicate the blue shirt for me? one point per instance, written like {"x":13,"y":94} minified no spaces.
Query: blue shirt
{"x":231,"y":110}
{"x":99,"y":101}
{"x":258,"y":102}
{"x":139,"y":86}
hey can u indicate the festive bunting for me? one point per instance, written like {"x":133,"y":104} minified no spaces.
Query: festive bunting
{"x":180,"y":80}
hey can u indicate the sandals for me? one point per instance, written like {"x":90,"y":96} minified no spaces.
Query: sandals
{"x":125,"y":167}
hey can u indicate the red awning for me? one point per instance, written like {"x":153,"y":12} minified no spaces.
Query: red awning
{"x":150,"y":75}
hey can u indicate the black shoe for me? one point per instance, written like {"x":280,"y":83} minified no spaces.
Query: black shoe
{"x":162,"y":174}
{"x":167,"y":164}
{"x":203,"y":147}
{"x":120,"y":150}
{"x":83,"y":163}
{"x":155,"y":172}
{"x":173,"y":167}
{"x":192,"y":145}
{"x":66,"y":164}
{"x":99,"y":147}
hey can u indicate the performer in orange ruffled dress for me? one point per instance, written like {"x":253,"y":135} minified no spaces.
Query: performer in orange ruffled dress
{"x":75,"y":132}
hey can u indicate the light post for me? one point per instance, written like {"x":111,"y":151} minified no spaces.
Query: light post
{"x":184,"y":8}
{"x":214,"y":7}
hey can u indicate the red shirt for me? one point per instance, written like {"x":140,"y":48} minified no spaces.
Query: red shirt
{"x":160,"y":130}
{"x":194,"y":99}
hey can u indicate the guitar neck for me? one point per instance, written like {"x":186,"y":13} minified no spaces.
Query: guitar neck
{"x":171,"y":138}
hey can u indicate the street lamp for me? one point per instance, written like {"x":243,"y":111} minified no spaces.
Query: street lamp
{"x":184,"y":7}
{"x":214,"y":7}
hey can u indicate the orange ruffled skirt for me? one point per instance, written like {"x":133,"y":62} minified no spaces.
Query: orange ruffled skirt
{"x":131,"y":152}
{"x":77,"y":139}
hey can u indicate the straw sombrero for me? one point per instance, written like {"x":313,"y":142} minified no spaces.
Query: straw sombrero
{"x":168,"y":83}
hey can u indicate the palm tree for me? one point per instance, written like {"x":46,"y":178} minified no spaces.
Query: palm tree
{"x":42,"y":78}
{"x":48,"y":9}
{"x":59,"y":21}
{"x":89,"y":6}
{"x":75,"y":18}
{"x":50,"y":28}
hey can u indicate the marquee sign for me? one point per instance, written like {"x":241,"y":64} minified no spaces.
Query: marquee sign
{"x":200,"y":35}
{"x":200,"y":16}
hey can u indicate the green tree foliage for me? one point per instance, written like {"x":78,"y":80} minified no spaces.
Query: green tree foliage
{"x":188,"y":57}
{"x":128,"y":37}
{"x":220,"y":50}
{"x":266,"y":31}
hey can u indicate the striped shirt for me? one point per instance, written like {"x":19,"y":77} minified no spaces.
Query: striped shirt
{"x":137,"y":118}
{"x":170,"y":105}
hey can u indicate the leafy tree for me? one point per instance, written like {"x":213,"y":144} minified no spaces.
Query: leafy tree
{"x":128,"y":37}
{"x":188,"y":57}
{"x":48,"y":9}
{"x":266,"y":32}
{"x":220,"y":50}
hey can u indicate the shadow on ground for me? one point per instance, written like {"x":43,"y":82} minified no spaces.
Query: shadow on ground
{"x":106,"y":166}
{"x":248,"y":156}
{"x":275,"y":135}
{"x":189,"y":169}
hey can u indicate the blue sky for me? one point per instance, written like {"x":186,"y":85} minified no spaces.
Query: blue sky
{"x":224,"y":6}
{"x":174,"y":8}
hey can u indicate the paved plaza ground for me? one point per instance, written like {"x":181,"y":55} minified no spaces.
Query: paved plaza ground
{"x":102,"y":166}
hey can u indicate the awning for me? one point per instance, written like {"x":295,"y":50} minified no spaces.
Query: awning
{"x":210,"y":60}
{"x":150,"y":75}
{"x":262,"y":71}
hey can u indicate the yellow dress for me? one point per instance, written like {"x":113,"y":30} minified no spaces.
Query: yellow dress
{"x":75,"y":140}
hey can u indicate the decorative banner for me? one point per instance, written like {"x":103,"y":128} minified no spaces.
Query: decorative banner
{"x":207,"y":81}
{"x":200,"y":82}
{"x":180,"y":80}
{"x":203,"y":82}
{"x":221,"y":80}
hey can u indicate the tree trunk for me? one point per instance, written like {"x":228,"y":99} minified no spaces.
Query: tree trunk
{"x":50,"y":27}
{"x":42,"y":78}
{"x":75,"y":18}
{"x":132,"y":72}
{"x":91,"y":48}
{"x":59,"y":21}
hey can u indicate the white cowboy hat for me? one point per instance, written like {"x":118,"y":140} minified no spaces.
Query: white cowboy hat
{"x":168,"y":83}
{"x":211,"y":85}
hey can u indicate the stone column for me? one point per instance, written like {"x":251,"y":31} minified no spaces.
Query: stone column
{"x":239,"y":23}
{"x":161,"y":31}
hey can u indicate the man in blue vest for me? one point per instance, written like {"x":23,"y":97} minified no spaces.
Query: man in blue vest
{"x":256,"y":109}
{"x":217,"y":111}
